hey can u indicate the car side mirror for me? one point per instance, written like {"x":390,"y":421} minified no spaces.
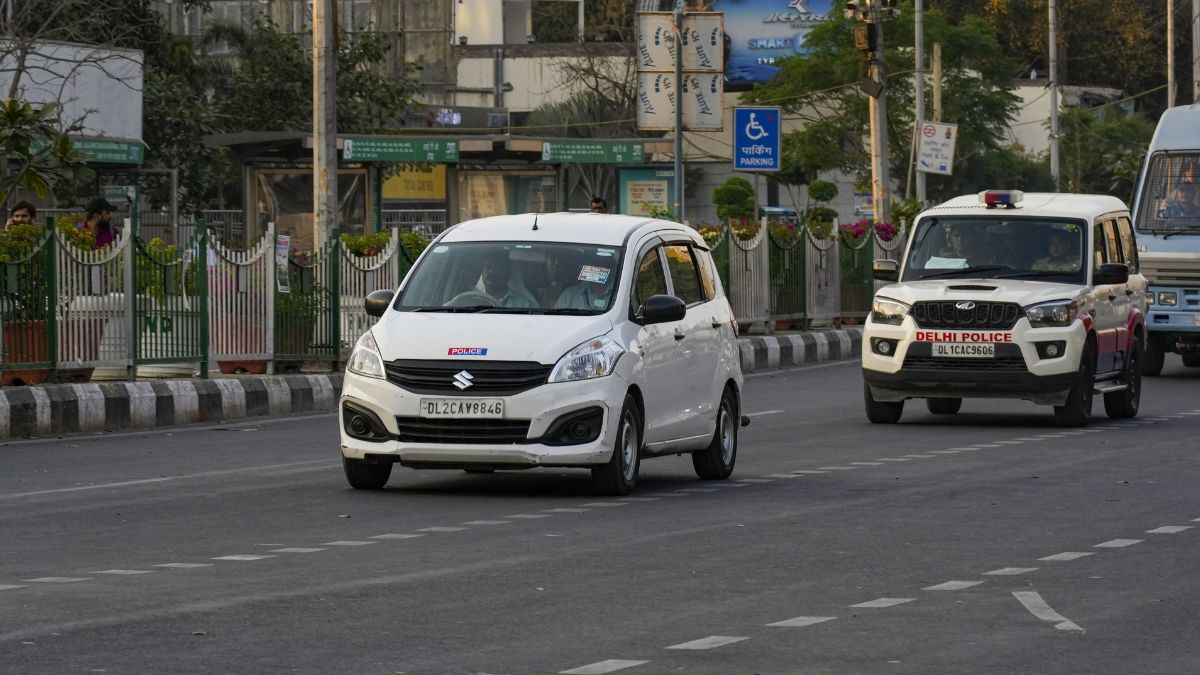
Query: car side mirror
{"x":377,"y":302}
{"x":1110,"y":273}
{"x":662,"y":308}
{"x":885,"y":270}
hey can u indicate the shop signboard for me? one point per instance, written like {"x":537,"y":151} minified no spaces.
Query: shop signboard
{"x":644,"y":189}
{"x":592,"y":152}
{"x":384,"y":149}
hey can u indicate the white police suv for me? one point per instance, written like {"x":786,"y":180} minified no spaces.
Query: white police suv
{"x":1010,"y":295}
{"x":565,"y":340}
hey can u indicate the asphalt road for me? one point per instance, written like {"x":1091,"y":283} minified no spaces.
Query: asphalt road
{"x":986,"y":542}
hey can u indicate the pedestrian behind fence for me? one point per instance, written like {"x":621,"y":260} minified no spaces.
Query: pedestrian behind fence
{"x":98,"y":221}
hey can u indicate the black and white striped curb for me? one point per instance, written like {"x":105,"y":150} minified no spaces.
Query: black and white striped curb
{"x":797,"y":349}
{"x":46,"y":410}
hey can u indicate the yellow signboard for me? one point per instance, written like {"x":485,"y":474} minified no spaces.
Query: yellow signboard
{"x":417,"y":182}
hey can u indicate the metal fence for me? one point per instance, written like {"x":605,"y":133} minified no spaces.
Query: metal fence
{"x":428,"y":223}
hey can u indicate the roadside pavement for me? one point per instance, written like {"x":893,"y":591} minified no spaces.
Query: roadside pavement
{"x":52,"y":409}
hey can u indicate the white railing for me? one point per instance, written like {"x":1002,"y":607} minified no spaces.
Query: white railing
{"x":427,"y":223}
{"x":92,"y":304}
{"x":241,"y":293}
{"x":361,"y":275}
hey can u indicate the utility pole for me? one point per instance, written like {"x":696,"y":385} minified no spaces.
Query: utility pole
{"x":919,"y":67}
{"x":1054,"y":159}
{"x":325,"y":159}
{"x":1170,"y":53}
{"x":880,"y":178}
{"x":1195,"y":51}
{"x":679,"y":110}
{"x":937,"y":82}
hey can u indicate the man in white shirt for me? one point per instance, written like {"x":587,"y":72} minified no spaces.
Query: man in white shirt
{"x":594,"y":290}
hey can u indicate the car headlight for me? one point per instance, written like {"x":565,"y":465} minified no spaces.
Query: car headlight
{"x":891,"y":312}
{"x":1168,"y":298}
{"x":595,"y":358}
{"x":366,"y":360}
{"x":1054,"y":314}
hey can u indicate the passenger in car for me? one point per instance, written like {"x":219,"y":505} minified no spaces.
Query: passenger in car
{"x":1060,"y":257}
{"x":595,"y":287}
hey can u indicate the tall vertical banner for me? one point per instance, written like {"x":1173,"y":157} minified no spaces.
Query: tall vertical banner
{"x":701,"y":45}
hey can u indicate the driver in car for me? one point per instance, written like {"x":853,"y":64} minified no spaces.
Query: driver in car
{"x":497,"y":288}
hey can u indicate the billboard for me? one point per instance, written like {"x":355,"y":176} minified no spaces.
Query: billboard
{"x":762,"y":31}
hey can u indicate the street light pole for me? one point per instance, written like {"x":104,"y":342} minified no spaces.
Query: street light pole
{"x":1170,"y":53}
{"x":325,"y":158}
{"x":919,"y":67}
{"x":1195,"y":51}
{"x":679,"y":110}
{"x":880,"y":178}
{"x":1054,"y":159}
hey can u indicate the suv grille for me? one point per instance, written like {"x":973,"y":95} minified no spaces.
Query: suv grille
{"x":992,"y":315}
{"x":1008,"y":359}
{"x":494,"y":378}
{"x":499,"y":432}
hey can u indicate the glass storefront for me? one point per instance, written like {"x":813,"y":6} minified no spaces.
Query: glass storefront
{"x":495,"y":193}
{"x":285,"y":197}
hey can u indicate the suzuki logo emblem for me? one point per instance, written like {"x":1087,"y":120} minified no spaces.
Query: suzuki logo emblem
{"x":965,"y":305}
{"x":463,"y":380}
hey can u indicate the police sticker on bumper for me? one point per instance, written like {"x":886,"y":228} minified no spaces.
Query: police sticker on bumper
{"x":970,"y":351}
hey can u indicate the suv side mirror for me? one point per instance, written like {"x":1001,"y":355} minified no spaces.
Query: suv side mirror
{"x":1111,"y":273}
{"x":885,"y":270}
{"x":662,"y":308}
{"x":377,"y":302}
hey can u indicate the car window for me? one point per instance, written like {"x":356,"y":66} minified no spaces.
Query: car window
{"x":650,"y":279}
{"x":1099,"y":252}
{"x":684,"y":277}
{"x":708,"y":279}
{"x":1128,"y":245}
{"x":1112,"y":242}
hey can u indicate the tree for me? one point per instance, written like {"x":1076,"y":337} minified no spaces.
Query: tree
{"x":41,"y":159}
{"x":734,"y":199}
{"x":1102,"y":151}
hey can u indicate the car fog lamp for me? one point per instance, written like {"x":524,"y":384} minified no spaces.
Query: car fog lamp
{"x":1051,"y":351}
{"x":580,"y":431}
{"x":884,"y":347}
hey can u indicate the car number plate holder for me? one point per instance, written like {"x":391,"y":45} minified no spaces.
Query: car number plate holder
{"x":462,"y":408}
{"x":958,"y":350}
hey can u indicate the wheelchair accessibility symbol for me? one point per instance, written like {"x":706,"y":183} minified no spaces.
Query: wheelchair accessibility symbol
{"x":754,"y":130}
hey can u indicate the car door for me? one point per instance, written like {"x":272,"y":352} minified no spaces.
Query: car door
{"x":1137,"y":287}
{"x":698,"y":353}
{"x":657,"y":347}
{"x":1105,"y":320}
{"x":1119,"y":294}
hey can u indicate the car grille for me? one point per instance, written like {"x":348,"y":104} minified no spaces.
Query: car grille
{"x":1005,"y":364}
{"x":990,"y":315}
{"x":495,"y":378}
{"x":470,"y":431}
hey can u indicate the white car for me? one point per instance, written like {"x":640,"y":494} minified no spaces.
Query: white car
{"x":563,"y":340}
{"x":1007,"y":295}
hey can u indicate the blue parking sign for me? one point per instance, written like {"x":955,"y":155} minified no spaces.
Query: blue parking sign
{"x":756,"y":139}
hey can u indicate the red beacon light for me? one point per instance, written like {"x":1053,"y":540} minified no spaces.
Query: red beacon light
{"x":1006,"y":198}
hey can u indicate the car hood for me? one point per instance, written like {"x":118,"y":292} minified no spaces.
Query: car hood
{"x":1022,"y":292}
{"x":506,"y":337}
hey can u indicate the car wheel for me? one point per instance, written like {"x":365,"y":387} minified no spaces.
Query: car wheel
{"x":1156,"y":354}
{"x":364,"y":475}
{"x":619,"y":475}
{"x":943,"y":406}
{"x":1191,"y":360}
{"x":716,"y":461}
{"x":1124,"y":404}
{"x":881,"y":412}
{"x":1077,"y":411}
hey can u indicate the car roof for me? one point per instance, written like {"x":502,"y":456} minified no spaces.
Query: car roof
{"x":601,"y":229}
{"x":1048,"y":204}
{"x":1177,"y":129}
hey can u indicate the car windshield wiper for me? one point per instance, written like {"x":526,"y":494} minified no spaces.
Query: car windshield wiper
{"x":508,"y":310}
{"x":1033,"y":274}
{"x":1172,"y":233}
{"x":455,"y":310}
{"x":964,"y":270}
{"x":570,"y":311}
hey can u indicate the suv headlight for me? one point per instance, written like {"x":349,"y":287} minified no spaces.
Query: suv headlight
{"x":366,"y":360}
{"x":595,"y":358}
{"x":891,"y":312}
{"x":1168,"y":298}
{"x":1054,"y":314}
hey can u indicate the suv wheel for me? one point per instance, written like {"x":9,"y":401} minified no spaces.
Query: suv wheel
{"x":881,"y":412}
{"x":619,"y":475}
{"x":1077,"y":411}
{"x":943,"y":406}
{"x":1191,"y":360}
{"x":716,"y":461}
{"x":1156,"y":354}
{"x":1124,"y":404}
{"x":364,"y":475}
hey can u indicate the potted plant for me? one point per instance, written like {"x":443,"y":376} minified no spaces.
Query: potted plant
{"x":24,"y":304}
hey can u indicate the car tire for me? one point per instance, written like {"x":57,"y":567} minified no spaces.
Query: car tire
{"x":881,"y":412}
{"x":1124,"y":404}
{"x":1191,"y":360}
{"x":943,"y":406}
{"x":716,"y":461}
{"x":365,"y":475}
{"x":619,"y":475}
{"x":1077,"y":411}
{"x":1156,"y":355}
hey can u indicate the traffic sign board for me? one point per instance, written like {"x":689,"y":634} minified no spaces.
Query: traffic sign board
{"x":757,"y":141}
{"x":592,"y":152}
{"x":382,"y":149}
{"x":935,"y":151}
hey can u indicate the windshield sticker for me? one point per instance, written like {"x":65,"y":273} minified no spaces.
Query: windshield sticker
{"x":599,"y":302}
{"x":441,"y":249}
{"x":467,"y":351}
{"x":607,"y":252}
{"x":596,"y":275}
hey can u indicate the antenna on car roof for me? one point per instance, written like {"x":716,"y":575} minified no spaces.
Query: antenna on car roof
{"x":535,"y":215}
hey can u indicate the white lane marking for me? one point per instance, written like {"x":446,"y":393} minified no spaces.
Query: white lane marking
{"x":1190,"y":413}
{"x":710,"y":642}
{"x":1047,"y":436}
{"x":1169,"y":529}
{"x":785,"y":371}
{"x":945,"y":452}
{"x":349,"y":543}
{"x":487,"y":522}
{"x":122,"y":572}
{"x":1038,"y":607}
{"x":953,"y":586}
{"x":57,"y":580}
{"x":990,"y":445}
{"x":838,"y":468}
{"x":1010,"y":571}
{"x":770,"y":475}
{"x":920,"y":456}
{"x":184,"y":566}
{"x":755,"y":480}
{"x":1027,"y":439}
{"x":1196,"y":520}
{"x":1073,"y":433}
{"x":883,"y":602}
{"x":441,"y":529}
{"x":668,"y":494}
{"x":867,"y":463}
{"x":603,"y":667}
{"x":1158,"y":419}
{"x":641,"y":499}
{"x":765,"y":413}
{"x":802,"y":621}
{"x":698,"y":490}
{"x":528,"y":516}
{"x":802,"y":472}
{"x":1119,"y":543}
{"x":1069,"y":555}
{"x":894,"y":459}
{"x":243,"y":557}
{"x":9,"y":587}
{"x":1011,"y":442}
{"x":604,"y":504}
{"x":402,"y":535}
{"x":295,"y":550}
{"x":566,"y":510}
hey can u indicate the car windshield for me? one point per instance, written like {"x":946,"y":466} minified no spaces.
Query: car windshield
{"x":998,"y":247}
{"x":1170,"y":198}
{"x":506,"y":277}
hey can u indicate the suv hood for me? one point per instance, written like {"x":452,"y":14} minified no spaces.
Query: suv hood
{"x":1022,"y":292}
{"x":506,"y":337}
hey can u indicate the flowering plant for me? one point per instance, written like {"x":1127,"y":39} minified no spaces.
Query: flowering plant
{"x":856,"y":230}
{"x":366,"y":245}
{"x":744,"y":228}
{"x":711,"y":233}
{"x":886,"y":231}
{"x":783,"y":233}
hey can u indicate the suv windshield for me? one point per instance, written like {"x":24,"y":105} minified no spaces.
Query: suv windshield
{"x":998,"y":247}
{"x":1170,"y":198}
{"x":506,"y":277}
